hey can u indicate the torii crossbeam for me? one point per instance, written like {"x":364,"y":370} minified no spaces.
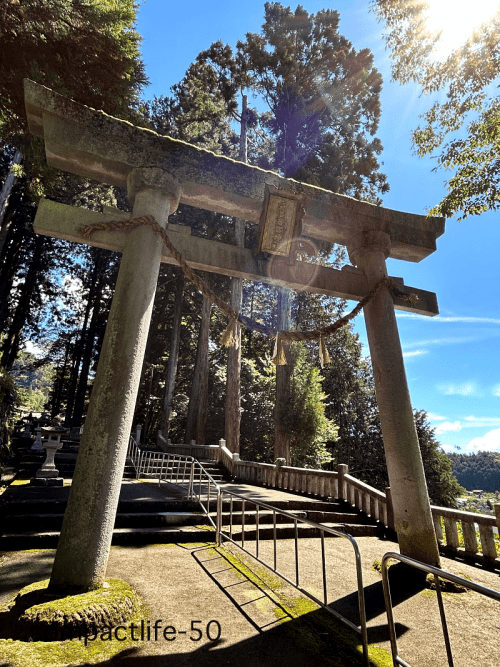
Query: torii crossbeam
{"x":159,"y":172}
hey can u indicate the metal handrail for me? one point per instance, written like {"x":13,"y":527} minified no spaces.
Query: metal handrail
{"x":199,"y":476}
{"x":438,"y":573}
{"x":173,"y":468}
{"x":197,"y":480}
{"x":323,"y":529}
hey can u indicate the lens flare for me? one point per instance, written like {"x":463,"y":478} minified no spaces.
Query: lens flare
{"x":454,"y":21}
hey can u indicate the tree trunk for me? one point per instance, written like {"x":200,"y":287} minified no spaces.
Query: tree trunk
{"x":233,"y":394}
{"x":283,"y":374}
{"x":10,"y":253}
{"x":56,"y":401}
{"x":198,"y":400}
{"x":11,"y":344}
{"x":4,"y":198}
{"x":233,"y":383}
{"x":93,"y":288}
{"x":86,"y":361}
{"x":95,"y":299}
{"x":173,"y":357}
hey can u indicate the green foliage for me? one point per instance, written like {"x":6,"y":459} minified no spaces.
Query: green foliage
{"x":8,"y":390}
{"x":442,"y":484}
{"x":462,"y":132}
{"x":303,"y":413}
{"x":33,"y":382}
{"x":86,"y":50}
{"x":477,"y":471}
{"x":8,"y":400}
{"x":202,"y":103}
{"x":323,"y":96}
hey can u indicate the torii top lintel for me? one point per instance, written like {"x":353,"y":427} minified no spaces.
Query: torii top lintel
{"x":93,"y":144}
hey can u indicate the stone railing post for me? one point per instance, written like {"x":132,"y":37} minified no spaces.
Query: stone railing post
{"x":138,"y":430}
{"x":93,"y":500}
{"x":342,"y":469}
{"x":222,"y":443}
{"x":497,"y":514}
{"x":410,"y":499}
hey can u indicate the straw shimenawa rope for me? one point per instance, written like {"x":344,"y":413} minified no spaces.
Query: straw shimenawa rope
{"x":228,"y":338}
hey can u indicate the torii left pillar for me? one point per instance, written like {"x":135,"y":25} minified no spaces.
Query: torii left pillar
{"x":87,"y":530}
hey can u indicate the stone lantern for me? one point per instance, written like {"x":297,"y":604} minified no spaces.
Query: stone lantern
{"x":48,"y":475}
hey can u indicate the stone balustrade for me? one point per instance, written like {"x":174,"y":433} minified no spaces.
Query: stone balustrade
{"x":461,"y":532}
{"x":457,"y":531}
{"x":206,"y":452}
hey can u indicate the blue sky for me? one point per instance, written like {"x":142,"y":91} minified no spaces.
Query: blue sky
{"x":452,"y":363}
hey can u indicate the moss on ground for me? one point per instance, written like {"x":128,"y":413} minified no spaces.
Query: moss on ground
{"x":313,"y":628}
{"x":446,"y":586}
{"x":377,"y":564}
{"x":95,"y":644}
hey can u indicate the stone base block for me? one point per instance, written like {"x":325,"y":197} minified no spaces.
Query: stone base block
{"x":47,"y":481}
{"x":44,"y":473}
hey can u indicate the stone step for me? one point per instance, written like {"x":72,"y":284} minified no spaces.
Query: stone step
{"x":53,"y":522}
{"x":265,"y":517}
{"x":46,"y":539}
{"x":297,"y":503}
{"x":337,"y":517}
{"x":41,"y":506}
{"x":149,"y":535}
{"x":287,"y":531}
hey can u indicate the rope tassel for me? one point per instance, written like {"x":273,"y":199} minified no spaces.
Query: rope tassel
{"x":229,"y":338}
{"x":324,"y":357}
{"x":279,"y":358}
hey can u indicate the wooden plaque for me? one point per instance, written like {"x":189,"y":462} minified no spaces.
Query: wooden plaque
{"x":278,"y":220}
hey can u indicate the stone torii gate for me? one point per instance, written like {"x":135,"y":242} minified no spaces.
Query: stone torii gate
{"x":159,"y":172}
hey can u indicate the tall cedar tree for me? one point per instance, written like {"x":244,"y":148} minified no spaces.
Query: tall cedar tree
{"x":323,"y":100}
{"x":323,"y":96}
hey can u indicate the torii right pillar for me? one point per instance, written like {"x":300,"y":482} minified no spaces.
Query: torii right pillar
{"x":410,"y":499}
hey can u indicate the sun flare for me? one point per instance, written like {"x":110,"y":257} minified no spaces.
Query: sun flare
{"x":455,"y":20}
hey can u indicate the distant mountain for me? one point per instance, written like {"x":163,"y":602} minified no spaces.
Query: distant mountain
{"x":477,"y":471}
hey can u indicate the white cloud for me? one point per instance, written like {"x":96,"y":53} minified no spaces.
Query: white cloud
{"x":447,"y":448}
{"x":415,"y":353}
{"x":457,"y":340}
{"x":464,"y":389}
{"x":496,"y":390}
{"x":435,"y":418}
{"x":482,"y":422}
{"x":487,"y":443}
{"x":443,"y":318}
{"x":448,"y":426}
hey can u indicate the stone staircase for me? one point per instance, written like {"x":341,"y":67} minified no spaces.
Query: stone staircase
{"x":338,"y":515}
{"x":31,"y":516}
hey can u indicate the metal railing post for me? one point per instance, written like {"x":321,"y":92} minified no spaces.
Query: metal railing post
{"x":191,"y":481}
{"x":218,"y":538}
{"x":438,"y":574}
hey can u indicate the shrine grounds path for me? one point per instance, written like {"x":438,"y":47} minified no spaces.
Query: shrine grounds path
{"x":264,"y":622}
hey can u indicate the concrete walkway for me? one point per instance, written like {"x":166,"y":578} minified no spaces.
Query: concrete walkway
{"x":199,"y":583}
